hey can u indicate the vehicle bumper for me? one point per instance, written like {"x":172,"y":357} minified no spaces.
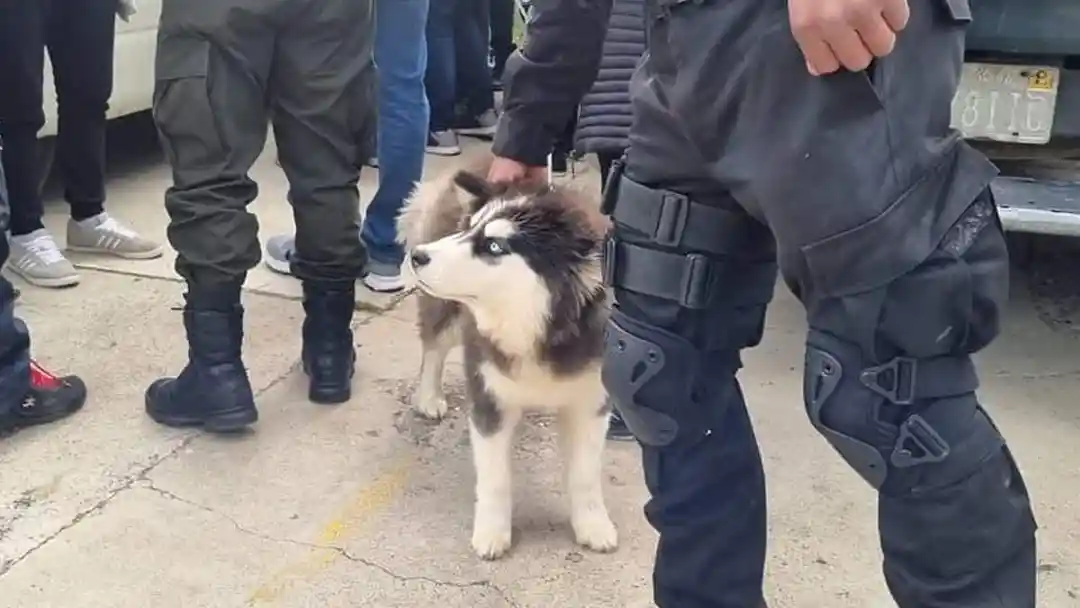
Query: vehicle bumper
{"x":1038,"y":206}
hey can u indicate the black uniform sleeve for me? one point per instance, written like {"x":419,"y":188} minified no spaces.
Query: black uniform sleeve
{"x":545,"y":81}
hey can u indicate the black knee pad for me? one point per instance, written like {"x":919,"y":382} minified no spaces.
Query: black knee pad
{"x":654,"y":378}
{"x":889,"y":379}
{"x":903,"y":424}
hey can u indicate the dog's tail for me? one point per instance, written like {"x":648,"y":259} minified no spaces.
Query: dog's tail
{"x":436,"y":207}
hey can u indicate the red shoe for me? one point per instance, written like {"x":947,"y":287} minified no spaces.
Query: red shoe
{"x":49,"y":399}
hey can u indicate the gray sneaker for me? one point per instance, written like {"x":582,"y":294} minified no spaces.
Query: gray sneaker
{"x":279,"y":251}
{"x":36,"y":258}
{"x":481,"y":126}
{"x":103,"y":234}
{"x":443,"y":143}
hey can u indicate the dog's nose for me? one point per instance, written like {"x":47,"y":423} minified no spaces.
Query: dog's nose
{"x":419,"y":259}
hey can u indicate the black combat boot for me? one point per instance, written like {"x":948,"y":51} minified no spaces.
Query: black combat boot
{"x":213,"y":390}
{"x":328,"y":355}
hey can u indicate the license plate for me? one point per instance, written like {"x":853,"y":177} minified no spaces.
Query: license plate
{"x":1006,"y":103}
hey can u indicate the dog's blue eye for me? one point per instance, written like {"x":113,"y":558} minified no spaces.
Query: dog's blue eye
{"x":494,"y":248}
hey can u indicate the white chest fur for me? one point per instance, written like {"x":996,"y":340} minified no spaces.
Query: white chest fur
{"x":532,"y":387}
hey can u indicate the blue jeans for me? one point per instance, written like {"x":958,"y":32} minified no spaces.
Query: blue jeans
{"x":401,"y":56}
{"x":457,"y":34}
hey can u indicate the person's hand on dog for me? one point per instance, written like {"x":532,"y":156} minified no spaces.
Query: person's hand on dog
{"x":509,"y":171}
{"x":845,"y":33}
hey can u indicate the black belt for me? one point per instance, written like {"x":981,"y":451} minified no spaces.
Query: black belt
{"x":693,"y":280}
{"x":673,"y":220}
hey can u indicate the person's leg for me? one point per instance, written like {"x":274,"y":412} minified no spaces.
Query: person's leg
{"x":29,"y":395}
{"x":889,"y":236}
{"x":34,"y":254}
{"x":502,"y":36}
{"x":670,"y":369}
{"x":210,"y":111}
{"x":80,"y":38}
{"x":401,"y":54}
{"x":440,"y":77}
{"x":474,"y":89}
{"x":323,"y":107}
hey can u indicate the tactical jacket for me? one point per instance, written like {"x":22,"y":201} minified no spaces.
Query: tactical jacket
{"x":545,"y":81}
{"x":605,"y":114}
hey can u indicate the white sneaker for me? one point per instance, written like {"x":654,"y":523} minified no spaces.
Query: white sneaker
{"x":383,"y":283}
{"x":36,"y":258}
{"x":444,"y":143}
{"x":103,"y":234}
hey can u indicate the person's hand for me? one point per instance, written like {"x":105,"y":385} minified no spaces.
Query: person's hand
{"x":845,"y":33}
{"x":508,"y":171}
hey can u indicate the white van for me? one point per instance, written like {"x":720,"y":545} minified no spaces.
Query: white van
{"x":133,"y":61}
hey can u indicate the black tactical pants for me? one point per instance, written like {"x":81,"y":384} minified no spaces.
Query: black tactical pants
{"x":225,"y":69}
{"x":880,"y":220}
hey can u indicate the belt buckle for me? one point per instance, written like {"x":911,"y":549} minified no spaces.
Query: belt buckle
{"x":917,"y":432}
{"x":609,"y":197}
{"x":608,"y":263}
{"x":904,"y":372}
{"x":695,"y":283}
{"x":671,"y":219}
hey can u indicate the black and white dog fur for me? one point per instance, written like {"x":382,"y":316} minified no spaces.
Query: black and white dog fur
{"x":514,"y":276}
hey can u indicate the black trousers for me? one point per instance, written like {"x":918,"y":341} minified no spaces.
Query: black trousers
{"x":14,"y":337}
{"x":502,"y":33}
{"x":79,"y":35}
{"x":879,"y":218}
{"x":227,"y":68}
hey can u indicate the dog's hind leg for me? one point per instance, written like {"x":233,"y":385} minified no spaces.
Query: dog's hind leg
{"x":582,"y":435}
{"x":438,"y":334}
{"x":491,"y":431}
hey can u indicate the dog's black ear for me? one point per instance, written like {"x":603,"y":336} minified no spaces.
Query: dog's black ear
{"x":475,"y":187}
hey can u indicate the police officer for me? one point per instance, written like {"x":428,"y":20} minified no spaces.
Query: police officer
{"x":809,"y":137}
{"x":224,"y":70}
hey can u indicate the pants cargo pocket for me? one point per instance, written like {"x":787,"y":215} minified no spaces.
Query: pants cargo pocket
{"x":190,"y":129}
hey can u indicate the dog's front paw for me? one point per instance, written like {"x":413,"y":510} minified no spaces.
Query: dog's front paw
{"x":596,"y":531}
{"x":491,"y":541}
{"x":432,"y":407}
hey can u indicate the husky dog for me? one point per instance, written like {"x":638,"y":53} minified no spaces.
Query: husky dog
{"x":514,"y":276}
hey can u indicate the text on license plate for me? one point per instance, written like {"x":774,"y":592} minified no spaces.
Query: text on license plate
{"x":1006,"y":103}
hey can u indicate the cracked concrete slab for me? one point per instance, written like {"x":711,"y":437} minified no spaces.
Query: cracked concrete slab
{"x":131,"y":333}
{"x":145,"y":550}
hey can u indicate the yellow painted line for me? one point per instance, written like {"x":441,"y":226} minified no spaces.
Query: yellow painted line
{"x":375,"y":496}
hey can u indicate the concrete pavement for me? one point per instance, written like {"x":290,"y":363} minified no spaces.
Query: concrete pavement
{"x":366,"y":505}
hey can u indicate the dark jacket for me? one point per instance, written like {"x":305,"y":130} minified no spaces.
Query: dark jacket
{"x":545,"y":81}
{"x":605,"y":114}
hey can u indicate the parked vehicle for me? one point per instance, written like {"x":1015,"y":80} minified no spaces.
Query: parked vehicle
{"x":1019,"y":102}
{"x":133,"y":79}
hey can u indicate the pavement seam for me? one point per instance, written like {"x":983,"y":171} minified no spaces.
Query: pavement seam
{"x":362,"y":305}
{"x":99,"y":505}
{"x":343,"y":552}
